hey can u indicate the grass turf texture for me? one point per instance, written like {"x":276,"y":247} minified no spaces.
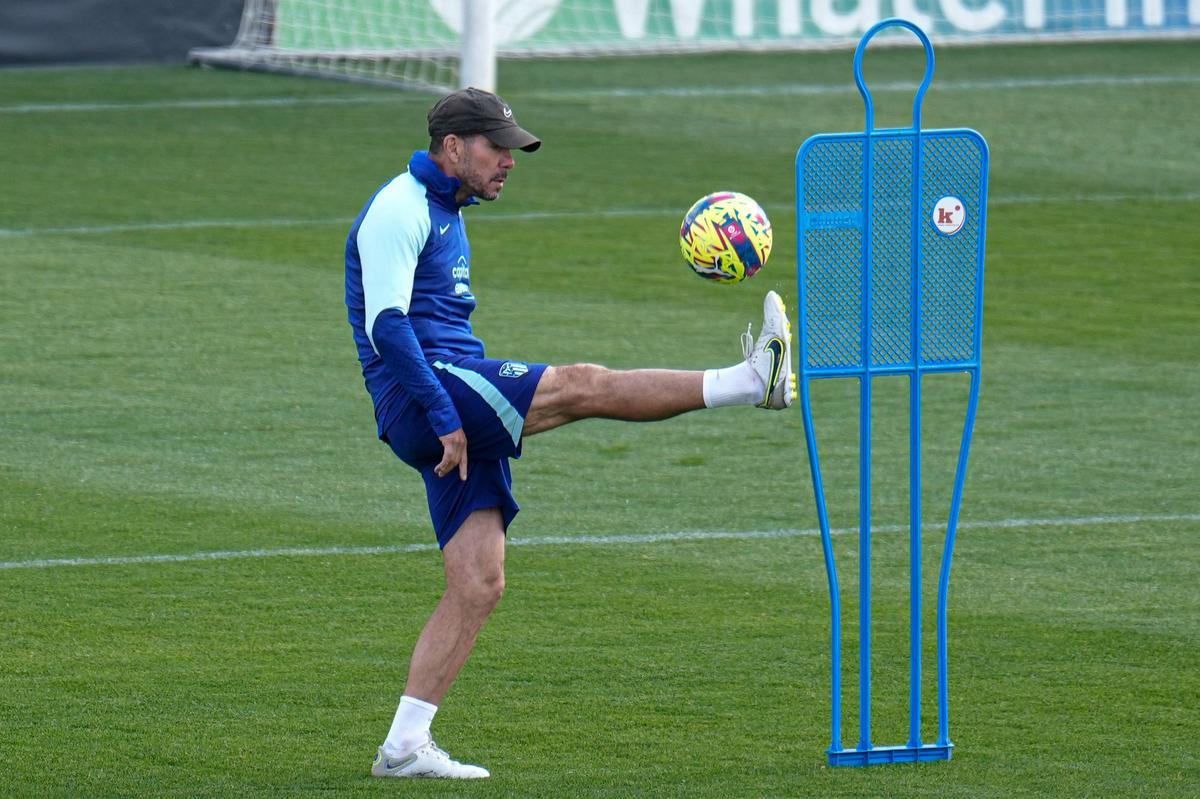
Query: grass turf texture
{"x":191,"y":389}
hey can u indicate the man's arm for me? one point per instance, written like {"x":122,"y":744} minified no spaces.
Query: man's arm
{"x":397,"y":344}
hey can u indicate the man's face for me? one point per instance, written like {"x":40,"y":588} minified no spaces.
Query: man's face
{"x":484,"y":167}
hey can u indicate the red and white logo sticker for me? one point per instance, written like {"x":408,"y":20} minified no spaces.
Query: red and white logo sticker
{"x":949,"y":214}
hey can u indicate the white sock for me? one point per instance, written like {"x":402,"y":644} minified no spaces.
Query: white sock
{"x":734,"y":385}
{"x":410,"y":728}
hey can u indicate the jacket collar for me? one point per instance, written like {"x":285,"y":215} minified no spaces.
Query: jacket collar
{"x":440,"y":185}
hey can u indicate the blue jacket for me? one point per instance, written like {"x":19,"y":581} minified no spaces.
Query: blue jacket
{"x":408,"y":291}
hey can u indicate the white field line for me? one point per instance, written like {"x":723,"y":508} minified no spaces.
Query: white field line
{"x":201,"y":224}
{"x":819,"y":89}
{"x":182,"y":224}
{"x":583,"y":540}
{"x":214,"y":102}
{"x":522,"y":216}
{"x":789,"y":89}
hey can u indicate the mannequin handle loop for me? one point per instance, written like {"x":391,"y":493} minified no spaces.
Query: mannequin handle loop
{"x":862,"y":85}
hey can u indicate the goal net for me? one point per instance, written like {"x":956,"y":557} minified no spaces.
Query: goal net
{"x":445,"y":44}
{"x":400,"y":42}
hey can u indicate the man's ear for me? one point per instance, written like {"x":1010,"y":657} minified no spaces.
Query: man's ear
{"x":453,"y":146}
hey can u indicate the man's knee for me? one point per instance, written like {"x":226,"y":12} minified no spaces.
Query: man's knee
{"x":567,"y":394}
{"x":580,"y":385}
{"x":481,"y":590}
{"x":474,"y":561}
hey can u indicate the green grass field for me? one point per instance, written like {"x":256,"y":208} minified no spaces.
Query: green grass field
{"x":179,"y":378}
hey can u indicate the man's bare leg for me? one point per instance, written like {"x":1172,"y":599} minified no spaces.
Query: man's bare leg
{"x":586,"y":391}
{"x":474,"y":566}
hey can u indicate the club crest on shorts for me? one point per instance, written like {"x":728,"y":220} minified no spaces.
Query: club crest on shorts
{"x":513,"y":369}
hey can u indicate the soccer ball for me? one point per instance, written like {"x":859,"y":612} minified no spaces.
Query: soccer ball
{"x":725,"y":237}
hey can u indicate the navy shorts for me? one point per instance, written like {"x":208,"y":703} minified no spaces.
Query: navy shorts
{"x":492,"y":398}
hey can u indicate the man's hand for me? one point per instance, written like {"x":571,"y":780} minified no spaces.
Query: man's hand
{"x":454,"y":453}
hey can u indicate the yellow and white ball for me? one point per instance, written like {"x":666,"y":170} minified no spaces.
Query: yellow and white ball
{"x":725,"y":237}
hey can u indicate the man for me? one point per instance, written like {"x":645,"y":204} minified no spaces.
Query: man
{"x":456,"y":416}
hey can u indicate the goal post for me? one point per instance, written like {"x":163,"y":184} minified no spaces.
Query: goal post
{"x":438,"y":45}
{"x":478,"y":55}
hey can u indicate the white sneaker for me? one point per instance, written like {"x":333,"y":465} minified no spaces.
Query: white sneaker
{"x":425,"y":761}
{"x":771,"y":355}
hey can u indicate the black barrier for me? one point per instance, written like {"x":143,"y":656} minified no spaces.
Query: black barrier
{"x":113,"y":31}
